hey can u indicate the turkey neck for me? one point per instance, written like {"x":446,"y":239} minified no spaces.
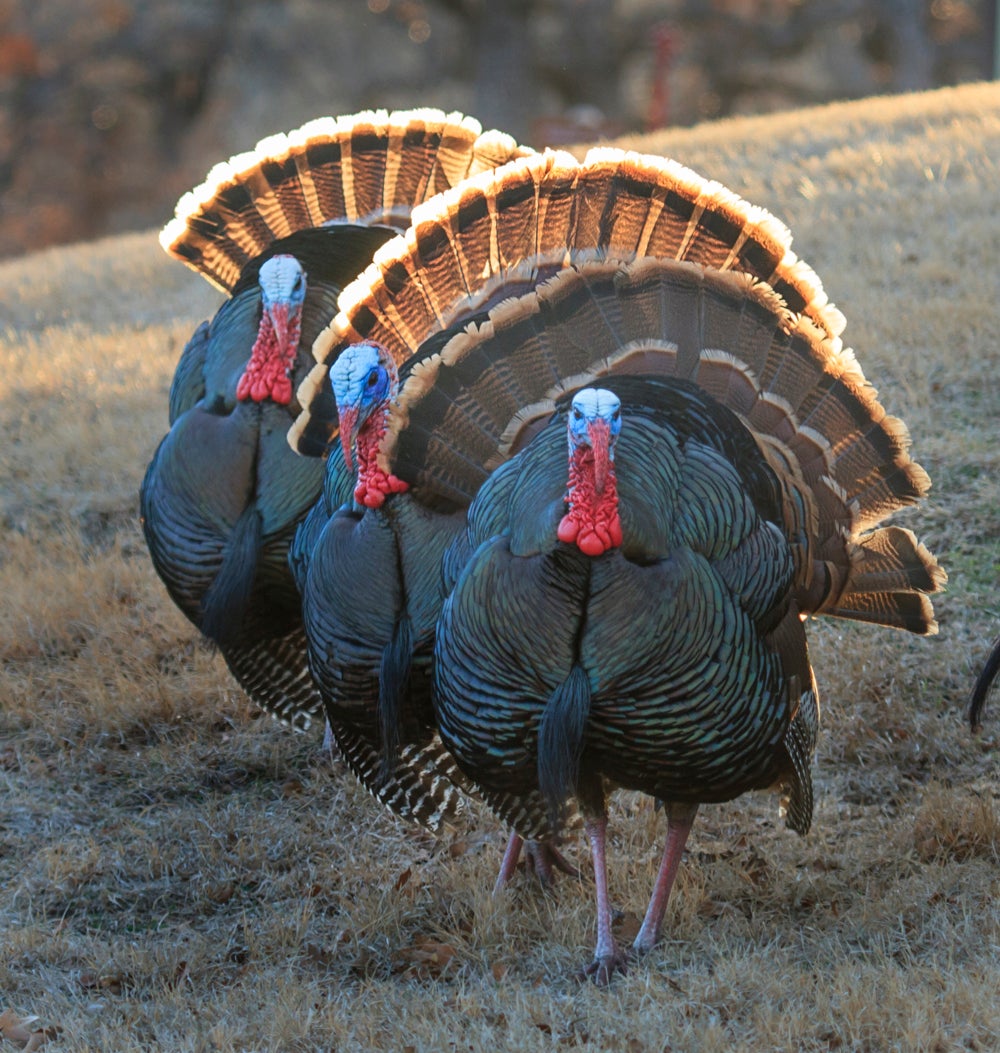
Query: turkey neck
{"x":592,"y":521}
{"x":374,"y":482}
{"x":273,"y":356}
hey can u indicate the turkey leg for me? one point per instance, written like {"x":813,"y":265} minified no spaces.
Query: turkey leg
{"x":680,"y":818}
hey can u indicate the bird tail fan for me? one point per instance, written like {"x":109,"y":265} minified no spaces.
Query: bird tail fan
{"x":366,"y":168}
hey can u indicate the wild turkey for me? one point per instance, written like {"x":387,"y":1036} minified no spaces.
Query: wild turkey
{"x":369,"y":574}
{"x":370,"y":597}
{"x":983,"y":687}
{"x":281,"y":230}
{"x":660,"y":646}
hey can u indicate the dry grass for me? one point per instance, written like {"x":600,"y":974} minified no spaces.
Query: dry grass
{"x":176,"y":873}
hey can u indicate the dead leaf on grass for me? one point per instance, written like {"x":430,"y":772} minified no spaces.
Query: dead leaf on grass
{"x":19,"y":1031}
{"x":426,"y":959}
{"x":113,"y":983}
{"x":181,"y":973}
{"x":220,"y":891}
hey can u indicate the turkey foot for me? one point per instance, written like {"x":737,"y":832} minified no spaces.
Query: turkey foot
{"x":542,"y":856}
{"x":608,"y":957}
{"x":604,"y":967}
{"x":546,"y":859}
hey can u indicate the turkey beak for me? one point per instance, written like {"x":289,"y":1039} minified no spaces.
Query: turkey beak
{"x":599,"y":434}
{"x":279,"y":320}
{"x":349,"y":425}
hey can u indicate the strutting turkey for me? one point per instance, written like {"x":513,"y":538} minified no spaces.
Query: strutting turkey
{"x":281,"y":230}
{"x":368,"y":571}
{"x":369,"y":574}
{"x":626,"y":606}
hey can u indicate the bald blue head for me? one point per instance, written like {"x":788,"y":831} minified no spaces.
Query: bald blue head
{"x":362,"y":377}
{"x":591,"y":405}
{"x":282,"y":282}
{"x":364,"y":380}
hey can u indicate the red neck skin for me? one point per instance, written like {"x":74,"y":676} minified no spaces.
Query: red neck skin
{"x":374,"y":484}
{"x":266,"y":375}
{"x":592,"y":521}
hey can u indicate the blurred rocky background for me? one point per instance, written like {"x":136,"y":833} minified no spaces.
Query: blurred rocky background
{"x":110,"y":109}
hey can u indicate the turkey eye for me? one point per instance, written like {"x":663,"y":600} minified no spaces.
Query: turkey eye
{"x":617,"y":415}
{"x":373,"y":378}
{"x":577,"y":415}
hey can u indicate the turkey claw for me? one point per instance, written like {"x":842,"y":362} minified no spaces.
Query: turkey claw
{"x":603,"y":969}
{"x":545,"y":859}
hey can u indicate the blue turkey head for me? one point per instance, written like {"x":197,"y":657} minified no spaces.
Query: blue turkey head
{"x":595,"y":421}
{"x":364,"y":380}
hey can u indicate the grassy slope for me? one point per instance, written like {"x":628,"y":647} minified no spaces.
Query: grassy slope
{"x":178,"y":874}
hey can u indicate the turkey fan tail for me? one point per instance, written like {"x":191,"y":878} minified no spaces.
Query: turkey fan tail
{"x":366,"y":168}
{"x":841,"y":462}
{"x":982,"y":688}
{"x":424,"y":785}
{"x":890,"y":575}
{"x":632,"y":205}
{"x":501,"y":233}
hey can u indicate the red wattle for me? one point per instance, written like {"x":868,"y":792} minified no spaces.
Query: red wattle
{"x":592,"y":520}
{"x":266,"y":374}
{"x":374,"y":483}
{"x":568,"y":528}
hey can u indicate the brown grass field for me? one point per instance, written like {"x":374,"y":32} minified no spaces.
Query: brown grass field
{"x":177,"y":873}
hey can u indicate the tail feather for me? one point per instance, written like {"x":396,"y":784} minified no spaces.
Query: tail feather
{"x":424,"y":786}
{"x":368,"y":168}
{"x":541,"y":213}
{"x":275,"y":674}
{"x":466,"y":406}
{"x":890,"y":576}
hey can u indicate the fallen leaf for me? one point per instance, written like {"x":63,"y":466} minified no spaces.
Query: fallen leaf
{"x":18,"y":1030}
{"x":626,"y":925}
{"x":220,"y":891}
{"x":113,"y":983}
{"x":426,"y":959}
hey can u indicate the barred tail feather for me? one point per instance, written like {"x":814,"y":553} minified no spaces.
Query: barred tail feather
{"x":275,"y":674}
{"x":424,"y":785}
{"x":368,"y":168}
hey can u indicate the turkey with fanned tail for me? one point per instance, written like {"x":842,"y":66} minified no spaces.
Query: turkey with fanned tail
{"x":370,"y":578}
{"x":669,"y":460}
{"x":281,"y":230}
